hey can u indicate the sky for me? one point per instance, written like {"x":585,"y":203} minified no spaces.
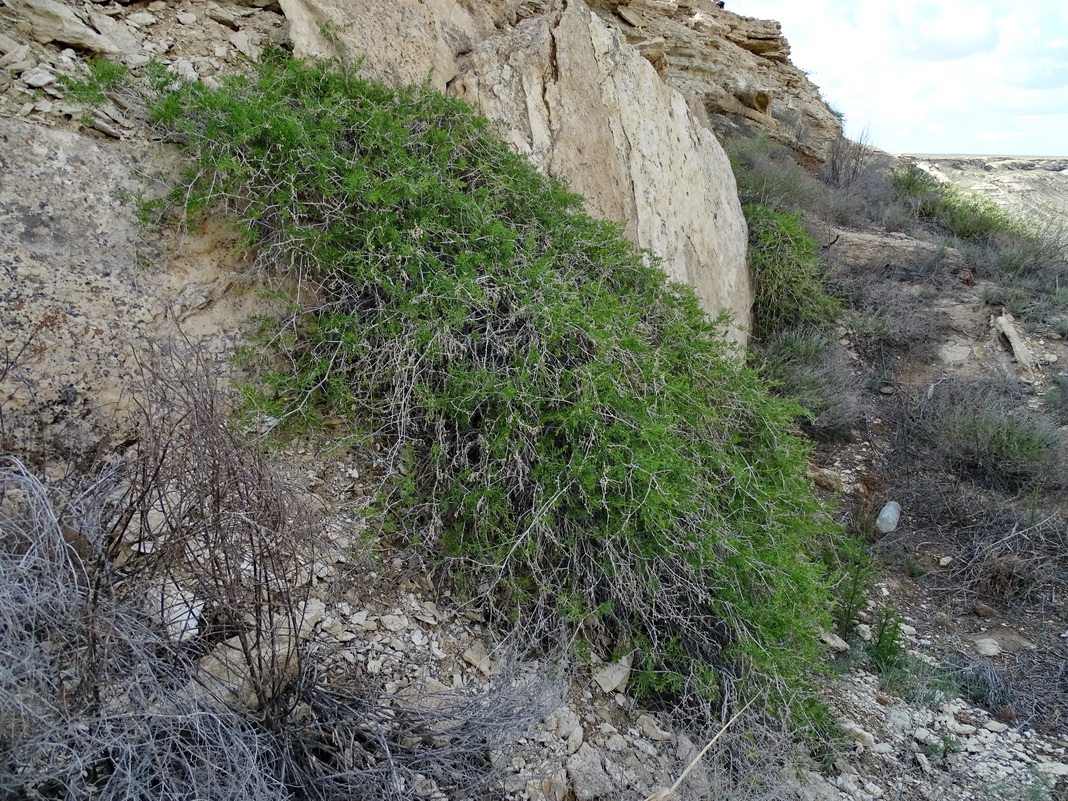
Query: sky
{"x":949,"y":76}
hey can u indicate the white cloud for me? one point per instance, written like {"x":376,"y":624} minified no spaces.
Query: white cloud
{"x":926,"y":76}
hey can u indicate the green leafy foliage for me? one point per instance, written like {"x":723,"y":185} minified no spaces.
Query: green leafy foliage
{"x":789,"y":281}
{"x":104,"y":76}
{"x":574,"y":432}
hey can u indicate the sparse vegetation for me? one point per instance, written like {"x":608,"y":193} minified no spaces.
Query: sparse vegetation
{"x":103,"y":76}
{"x":809,"y":366}
{"x":1026,"y":259}
{"x":985,"y":432}
{"x":115,"y":593}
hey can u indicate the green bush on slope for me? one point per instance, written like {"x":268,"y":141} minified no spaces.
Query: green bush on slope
{"x":575,"y":432}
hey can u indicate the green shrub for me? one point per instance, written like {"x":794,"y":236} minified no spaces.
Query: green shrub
{"x":969,"y":216}
{"x":789,"y":283}
{"x":575,"y":435}
{"x":887,"y":646}
{"x":104,"y":76}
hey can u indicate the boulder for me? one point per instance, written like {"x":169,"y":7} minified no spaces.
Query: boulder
{"x":52,"y":21}
{"x":587,"y":107}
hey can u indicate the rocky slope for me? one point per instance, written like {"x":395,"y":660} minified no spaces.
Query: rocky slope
{"x":620,"y":99}
{"x":1029,"y":185}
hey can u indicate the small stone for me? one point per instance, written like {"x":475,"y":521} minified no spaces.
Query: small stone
{"x":588,"y":778}
{"x":427,"y":613}
{"x":419,"y":637}
{"x":987,"y":647}
{"x":245,"y":43}
{"x":106,"y":128}
{"x":37,"y":77}
{"x":574,"y":739}
{"x":864,"y":632}
{"x":141,"y":19}
{"x":394,"y":623}
{"x":187,"y":17}
{"x":835,"y":642}
{"x":614,"y":676}
{"x":184,"y":68}
{"x":923,"y":762}
{"x":478,"y":657}
{"x":651,"y":728}
{"x":995,"y":726}
{"x":954,"y":352}
{"x":223,"y":16}
{"x":956,"y":727}
{"x":857,"y":732}
{"x":925,"y":736}
{"x":945,"y":561}
{"x":882,"y":748}
{"x":887,"y":389}
{"x":825,"y":479}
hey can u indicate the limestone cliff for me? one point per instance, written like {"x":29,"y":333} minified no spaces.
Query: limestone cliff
{"x":736,"y":66}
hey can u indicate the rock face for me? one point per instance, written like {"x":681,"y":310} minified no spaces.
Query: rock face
{"x":85,"y":292}
{"x":587,"y":107}
{"x":735,"y":66}
{"x":571,"y":92}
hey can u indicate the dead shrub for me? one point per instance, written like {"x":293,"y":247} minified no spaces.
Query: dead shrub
{"x":848,"y":160}
{"x":1004,"y":578}
{"x":984,"y":431}
{"x":809,"y":366}
{"x":194,"y":541}
{"x":221,"y":546}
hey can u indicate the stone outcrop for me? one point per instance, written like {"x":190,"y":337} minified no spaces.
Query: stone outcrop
{"x":587,"y":107}
{"x":737,"y":66}
{"x":872,"y":251}
{"x":85,"y":290}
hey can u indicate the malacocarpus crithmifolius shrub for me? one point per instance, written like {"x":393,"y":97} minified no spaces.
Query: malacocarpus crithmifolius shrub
{"x":576,"y":434}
